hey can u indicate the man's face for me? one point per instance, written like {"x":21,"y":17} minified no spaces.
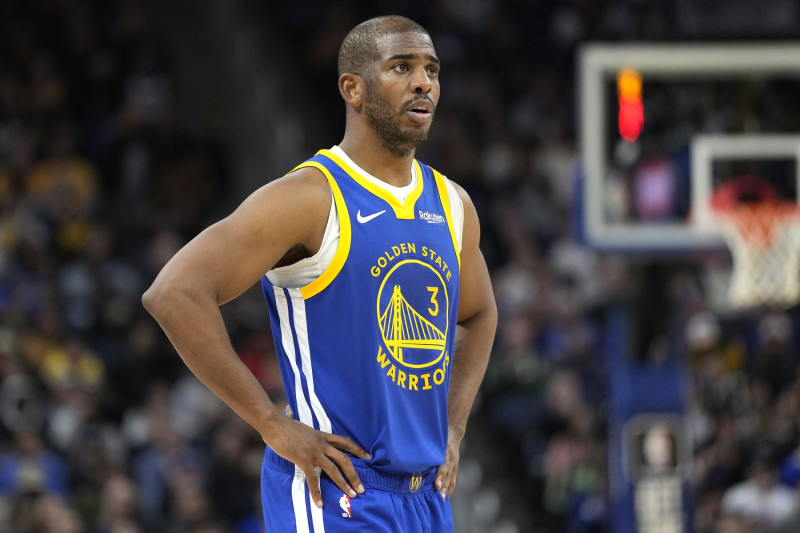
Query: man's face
{"x":402,"y":91}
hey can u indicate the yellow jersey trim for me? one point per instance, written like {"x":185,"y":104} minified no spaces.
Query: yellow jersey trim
{"x":445,"y":199}
{"x":404,"y":210}
{"x":343,"y":248}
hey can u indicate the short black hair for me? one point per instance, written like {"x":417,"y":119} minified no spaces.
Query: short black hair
{"x":359,"y":45}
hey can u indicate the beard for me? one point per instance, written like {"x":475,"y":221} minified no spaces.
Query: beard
{"x":396,"y":140}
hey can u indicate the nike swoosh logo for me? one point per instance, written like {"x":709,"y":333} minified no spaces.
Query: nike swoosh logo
{"x":364,"y":219}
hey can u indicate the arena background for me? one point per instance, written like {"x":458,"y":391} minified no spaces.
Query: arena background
{"x":127,"y":126}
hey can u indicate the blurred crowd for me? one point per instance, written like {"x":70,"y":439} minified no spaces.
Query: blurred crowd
{"x":102,"y":430}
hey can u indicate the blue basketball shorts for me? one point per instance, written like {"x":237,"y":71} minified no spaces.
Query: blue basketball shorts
{"x":391,"y":503}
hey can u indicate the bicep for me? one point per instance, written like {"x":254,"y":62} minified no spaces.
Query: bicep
{"x":475,"y":291}
{"x":231,"y":255}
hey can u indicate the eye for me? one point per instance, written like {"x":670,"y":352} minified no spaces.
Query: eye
{"x":401,"y":67}
{"x":433,"y":71}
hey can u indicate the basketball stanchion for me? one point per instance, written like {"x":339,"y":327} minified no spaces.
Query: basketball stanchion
{"x":764,"y":240}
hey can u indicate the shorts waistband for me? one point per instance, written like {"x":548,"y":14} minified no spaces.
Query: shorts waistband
{"x":388,"y":481}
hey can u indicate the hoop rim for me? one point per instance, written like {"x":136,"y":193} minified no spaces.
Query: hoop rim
{"x":755,"y":222}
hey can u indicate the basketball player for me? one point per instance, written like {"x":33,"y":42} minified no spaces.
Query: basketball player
{"x":369,"y":263}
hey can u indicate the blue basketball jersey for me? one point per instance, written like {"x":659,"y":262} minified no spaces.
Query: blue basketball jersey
{"x":365,"y":350}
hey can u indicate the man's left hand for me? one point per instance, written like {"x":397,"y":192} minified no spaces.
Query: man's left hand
{"x":447,"y":473}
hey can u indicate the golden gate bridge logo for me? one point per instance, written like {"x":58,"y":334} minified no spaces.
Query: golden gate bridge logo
{"x":404,"y":328}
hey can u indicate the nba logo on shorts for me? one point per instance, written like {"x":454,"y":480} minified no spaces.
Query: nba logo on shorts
{"x":344,"y":503}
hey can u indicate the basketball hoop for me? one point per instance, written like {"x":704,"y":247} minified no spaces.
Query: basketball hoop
{"x":764,"y":240}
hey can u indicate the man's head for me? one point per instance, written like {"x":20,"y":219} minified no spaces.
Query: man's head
{"x":359,"y":51}
{"x":388,"y":73}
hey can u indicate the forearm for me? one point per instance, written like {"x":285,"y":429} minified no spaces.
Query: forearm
{"x":194,"y":325}
{"x":474,"y":340}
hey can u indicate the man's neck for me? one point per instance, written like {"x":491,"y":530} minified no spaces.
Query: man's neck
{"x":379,"y":162}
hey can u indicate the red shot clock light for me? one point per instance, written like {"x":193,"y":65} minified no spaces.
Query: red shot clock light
{"x":631,"y":109}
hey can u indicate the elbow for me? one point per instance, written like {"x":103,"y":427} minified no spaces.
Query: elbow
{"x":489,"y":316}
{"x":493,"y":313}
{"x":168,"y":299}
{"x":487,"y":313}
{"x":154,"y":300}
{"x":484,"y":319}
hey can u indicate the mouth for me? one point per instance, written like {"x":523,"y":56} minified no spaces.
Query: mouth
{"x":420,"y":110}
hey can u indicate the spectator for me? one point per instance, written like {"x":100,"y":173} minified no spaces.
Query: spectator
{"x":119,"y":506}
{"x":760,"y":500}
{"x":31,"y":468}
{"x":775,"y":363}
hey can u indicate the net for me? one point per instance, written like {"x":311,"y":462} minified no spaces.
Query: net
{"x":764,"y":240}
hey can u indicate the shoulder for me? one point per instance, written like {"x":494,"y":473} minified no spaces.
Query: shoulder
{"x":452,"y":186}
{"x":459,"y":195}
{"x":295,"y":205}
{"x":462,"y":193}
{"x":304,"y":181}
{"x":304,"y":188}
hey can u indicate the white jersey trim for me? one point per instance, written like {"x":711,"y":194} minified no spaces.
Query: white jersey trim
{"x":299,"y":500}
{"x":299,"y":489}
{"x":287,"y":340}
{"x":301,"y":332}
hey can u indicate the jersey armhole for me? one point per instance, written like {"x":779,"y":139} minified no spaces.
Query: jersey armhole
{"x":343,"y":249}
{"x":444,"y":196}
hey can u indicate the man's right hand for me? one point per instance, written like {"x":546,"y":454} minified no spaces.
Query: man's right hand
{"x":315,"y":452}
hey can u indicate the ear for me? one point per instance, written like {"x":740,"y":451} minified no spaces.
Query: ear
{"x":351,"y":87}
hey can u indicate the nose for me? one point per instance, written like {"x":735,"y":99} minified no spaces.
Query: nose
{"x":421,"y":82}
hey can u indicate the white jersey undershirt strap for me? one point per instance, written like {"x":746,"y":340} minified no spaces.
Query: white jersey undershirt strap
{"x":306,"y":270}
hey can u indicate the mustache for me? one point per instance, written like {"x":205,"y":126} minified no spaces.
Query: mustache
{"x":410,"y":103}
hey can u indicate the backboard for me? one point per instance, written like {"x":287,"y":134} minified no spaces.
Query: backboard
{"x":663,"y":127}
